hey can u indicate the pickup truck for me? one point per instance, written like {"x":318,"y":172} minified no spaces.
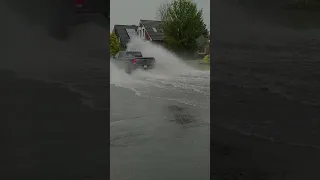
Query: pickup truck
{"x":134,"y":60}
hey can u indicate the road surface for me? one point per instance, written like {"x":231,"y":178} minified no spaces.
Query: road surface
{"x":153,"y":135}
{"x":157,"y":139}
{"x":54,"y":120}
{"x":160,"y":119}
{"x":265,"y":95}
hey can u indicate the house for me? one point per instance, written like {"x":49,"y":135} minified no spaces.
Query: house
{"x":125,"y":33}
{"x":208,"y":46}
{"x":151,"y":30}
{"x":203,"y":46}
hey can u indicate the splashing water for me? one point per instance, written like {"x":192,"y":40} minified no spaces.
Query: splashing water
{"x":171,"y":79}
{"x":167,"y":62}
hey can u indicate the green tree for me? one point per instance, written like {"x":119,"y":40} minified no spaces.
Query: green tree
{"x":114,"y":44}
{"x":183,"y":24}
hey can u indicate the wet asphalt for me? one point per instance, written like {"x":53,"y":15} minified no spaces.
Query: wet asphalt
{"x":157,"y":139}
{"x":50,"y":130}
{"x":48,"y":133}
{"x":264,"y":94}
{"x":55,"y":126}
{"x":159,"y":123}
{"x":55,"y":115}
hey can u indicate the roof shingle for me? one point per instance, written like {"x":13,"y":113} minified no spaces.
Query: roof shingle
{"x":149,"y":25}
{"x":120,"y":31}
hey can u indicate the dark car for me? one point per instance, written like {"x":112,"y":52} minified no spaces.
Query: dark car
{"x":59,"y":16}
{"x":134,"y":60}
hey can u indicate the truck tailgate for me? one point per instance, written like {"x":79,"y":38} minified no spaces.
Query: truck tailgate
{"x":145,"y":61}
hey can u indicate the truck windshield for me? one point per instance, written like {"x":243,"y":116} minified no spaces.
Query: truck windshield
{"x":134,"y":54}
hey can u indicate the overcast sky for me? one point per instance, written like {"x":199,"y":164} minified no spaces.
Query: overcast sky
{"x":129,"y":12}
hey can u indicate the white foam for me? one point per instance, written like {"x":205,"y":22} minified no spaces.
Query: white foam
{"x":170,"y":74}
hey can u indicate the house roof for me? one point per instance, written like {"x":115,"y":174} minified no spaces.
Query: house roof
{"x":120,"y":31}
{"x":149,"y":25}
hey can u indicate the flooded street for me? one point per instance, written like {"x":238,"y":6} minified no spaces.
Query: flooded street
{"x":172,"y":79}
{"x":156,"y":139}
{"x":56,"y":100}
{"x":160,"y":119}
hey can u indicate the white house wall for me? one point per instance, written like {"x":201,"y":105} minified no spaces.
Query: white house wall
{"x":142,"y":32}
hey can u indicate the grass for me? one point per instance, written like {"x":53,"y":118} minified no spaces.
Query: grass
{"x":205,"y":63}
{"x":206,"y":60}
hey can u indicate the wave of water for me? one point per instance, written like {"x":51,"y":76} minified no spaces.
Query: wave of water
{"x":172,"y":78}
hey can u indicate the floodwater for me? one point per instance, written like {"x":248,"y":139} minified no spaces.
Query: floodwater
{"x":172,"y":79}
{"x":159,"y":119}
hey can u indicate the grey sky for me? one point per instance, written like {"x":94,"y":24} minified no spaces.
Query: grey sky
{"x":129,"y":12}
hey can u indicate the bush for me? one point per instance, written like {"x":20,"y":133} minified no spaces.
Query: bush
{"x":114,"y":44}
{"x":206,"y":59}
